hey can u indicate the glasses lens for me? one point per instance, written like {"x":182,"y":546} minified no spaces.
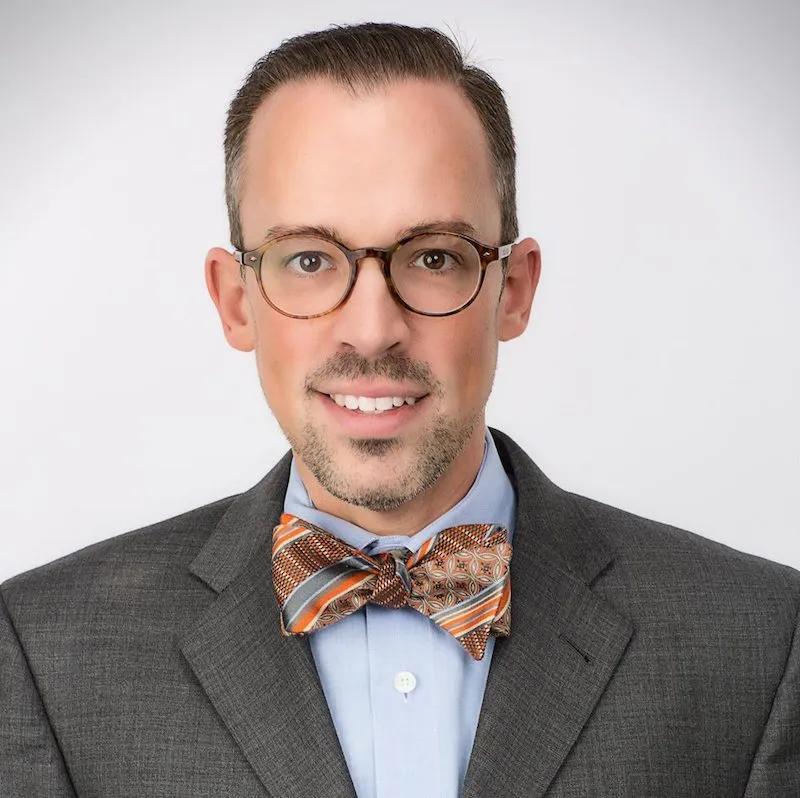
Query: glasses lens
{"x":436,"y":273}
{"x":304,"y":276}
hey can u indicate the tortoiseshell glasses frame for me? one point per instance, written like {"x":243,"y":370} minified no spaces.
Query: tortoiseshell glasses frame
{"x":486,"y":256}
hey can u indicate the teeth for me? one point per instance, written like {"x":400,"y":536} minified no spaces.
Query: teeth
{"x":370,"y":404}
{"x":366,"y":404}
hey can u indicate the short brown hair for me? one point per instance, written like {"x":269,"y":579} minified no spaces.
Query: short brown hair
{"x":366,"y":56}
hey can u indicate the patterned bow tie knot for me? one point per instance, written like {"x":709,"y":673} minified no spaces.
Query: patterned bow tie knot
{"x":392,"y":585}
{"x":459,"y":579}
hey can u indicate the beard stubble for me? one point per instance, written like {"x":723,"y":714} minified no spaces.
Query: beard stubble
{"x":437,"y":446}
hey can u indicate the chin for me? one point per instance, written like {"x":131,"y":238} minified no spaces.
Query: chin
{"x":378,"y":497}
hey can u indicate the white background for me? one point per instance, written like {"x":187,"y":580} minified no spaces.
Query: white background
{"x":658,"y":168}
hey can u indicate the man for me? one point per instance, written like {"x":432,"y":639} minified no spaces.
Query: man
{"x":344,"y":626}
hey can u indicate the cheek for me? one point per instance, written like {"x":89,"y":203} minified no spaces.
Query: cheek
{"x":470,"y":359}
{"x":270,"y":367}
{"x":281,"y":357}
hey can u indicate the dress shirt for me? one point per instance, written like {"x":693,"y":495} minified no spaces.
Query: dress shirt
{"x":402,"y":740}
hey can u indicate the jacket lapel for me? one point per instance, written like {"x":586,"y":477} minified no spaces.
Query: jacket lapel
{"x":263,"y":685}
{"x":565,"y":643}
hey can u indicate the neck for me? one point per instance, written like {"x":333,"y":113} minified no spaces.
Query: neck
{"x":414,"y":515}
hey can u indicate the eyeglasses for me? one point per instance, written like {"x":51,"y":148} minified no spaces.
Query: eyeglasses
{"x":433,"y":274}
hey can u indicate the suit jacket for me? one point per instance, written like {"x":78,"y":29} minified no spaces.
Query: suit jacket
{"x":643,"y":661}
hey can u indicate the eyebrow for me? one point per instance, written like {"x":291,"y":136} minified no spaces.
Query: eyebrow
{"x":459,"y":226}
{"x":300,"y":230}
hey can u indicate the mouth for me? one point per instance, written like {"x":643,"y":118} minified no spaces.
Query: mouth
{"x":359,"y":416}
{"x":373,"y":405}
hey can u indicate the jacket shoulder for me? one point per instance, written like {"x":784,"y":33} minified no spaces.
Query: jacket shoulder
{"x":132,"y":558}
{"x":666,"y":558}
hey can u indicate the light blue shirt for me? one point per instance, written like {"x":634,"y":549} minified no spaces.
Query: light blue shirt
{"x":416,"y":743}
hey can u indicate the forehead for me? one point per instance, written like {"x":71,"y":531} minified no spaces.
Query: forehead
{"x":367,"y":163}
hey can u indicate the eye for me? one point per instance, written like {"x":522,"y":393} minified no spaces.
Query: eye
{"x":308,"y":263}
{"x":436,"y":260}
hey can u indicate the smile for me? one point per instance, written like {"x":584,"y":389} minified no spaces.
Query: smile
{"x":371,"y":404}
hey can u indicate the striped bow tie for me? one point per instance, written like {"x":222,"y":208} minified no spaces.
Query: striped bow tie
{"x":459,"y":579}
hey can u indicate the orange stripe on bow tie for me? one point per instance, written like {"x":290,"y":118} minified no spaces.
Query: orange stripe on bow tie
{"x":460,"y":622}
{"x":317,"y":607}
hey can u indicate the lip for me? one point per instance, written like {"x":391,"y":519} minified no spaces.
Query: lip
{"x":373,"y":390}
{"x":371,"y":425}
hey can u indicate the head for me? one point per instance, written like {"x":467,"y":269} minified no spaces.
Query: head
{"x":366,"y":134}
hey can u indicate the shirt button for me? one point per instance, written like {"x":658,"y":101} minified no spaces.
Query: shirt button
{"x":405,"y":682}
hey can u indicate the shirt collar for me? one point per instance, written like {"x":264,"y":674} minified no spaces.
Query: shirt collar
{"x":490,"y":500}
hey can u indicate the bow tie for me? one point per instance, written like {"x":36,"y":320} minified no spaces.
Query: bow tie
{"x":459,"y":579}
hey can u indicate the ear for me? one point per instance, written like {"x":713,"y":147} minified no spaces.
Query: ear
{"x":228,"y":292}
{"x":516,"y":299}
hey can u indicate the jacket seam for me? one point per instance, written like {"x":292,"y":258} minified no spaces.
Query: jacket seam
{"x":775,"y":695}
{"x":35,"y":683}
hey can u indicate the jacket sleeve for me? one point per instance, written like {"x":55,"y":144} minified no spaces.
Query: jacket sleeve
{"x":30,"y":760}
{"x":775,"y":770}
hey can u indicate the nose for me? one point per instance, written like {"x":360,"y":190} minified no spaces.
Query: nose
{"x":371,"y":321}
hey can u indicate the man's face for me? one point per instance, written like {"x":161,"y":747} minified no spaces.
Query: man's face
{"x":368,"y":168}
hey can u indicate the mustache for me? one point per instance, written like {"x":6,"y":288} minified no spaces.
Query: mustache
{"x":350,"y":365}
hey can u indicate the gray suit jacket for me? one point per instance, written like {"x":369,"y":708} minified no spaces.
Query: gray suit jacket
{"x":643,"y":661}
